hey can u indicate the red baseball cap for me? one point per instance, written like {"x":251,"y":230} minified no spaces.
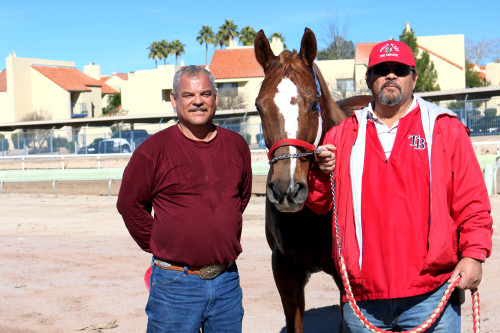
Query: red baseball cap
{"x":391,"y":50}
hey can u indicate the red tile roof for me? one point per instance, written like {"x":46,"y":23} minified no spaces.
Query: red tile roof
{"x":123,"y":76}
{"x":105,"y":89}
{"x":235,"y":63}
{"x":3,"y":80}
{"x":71,"y":79}
{"x":363,"y":52}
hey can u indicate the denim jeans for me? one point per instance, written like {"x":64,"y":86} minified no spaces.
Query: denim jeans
{"x":402,"y":314}
{"x":184,"y":303}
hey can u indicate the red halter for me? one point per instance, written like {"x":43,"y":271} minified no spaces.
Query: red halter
{"x":290,"y":142}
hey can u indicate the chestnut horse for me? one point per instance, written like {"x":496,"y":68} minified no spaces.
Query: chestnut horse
{"x":296,"y":111}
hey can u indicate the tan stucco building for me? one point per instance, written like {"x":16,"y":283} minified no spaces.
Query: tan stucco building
{"x":147,"y":92}
{"x":55,"y":88}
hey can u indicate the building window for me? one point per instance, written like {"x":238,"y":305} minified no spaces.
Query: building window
{"x":165,"y":95}
{"x":345,"y":85}
{"x":228,"y":89}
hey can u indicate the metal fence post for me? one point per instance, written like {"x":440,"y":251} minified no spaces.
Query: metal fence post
{"x":51,"y":138}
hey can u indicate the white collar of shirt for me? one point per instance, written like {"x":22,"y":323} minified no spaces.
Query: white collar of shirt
{"x":380,"y":123}
{"x":387,"y":135}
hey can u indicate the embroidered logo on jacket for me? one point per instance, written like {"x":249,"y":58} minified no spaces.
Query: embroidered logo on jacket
{"x":417,"y":142}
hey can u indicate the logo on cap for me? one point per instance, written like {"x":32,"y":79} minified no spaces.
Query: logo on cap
{"x":388,"y":49}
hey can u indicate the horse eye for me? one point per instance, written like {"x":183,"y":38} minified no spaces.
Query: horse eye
{"x":314,"y":106}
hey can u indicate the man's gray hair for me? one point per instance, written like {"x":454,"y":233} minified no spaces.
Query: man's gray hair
{"x":192,"y":71}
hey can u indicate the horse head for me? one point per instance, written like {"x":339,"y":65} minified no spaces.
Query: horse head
{"x":296,"y":111}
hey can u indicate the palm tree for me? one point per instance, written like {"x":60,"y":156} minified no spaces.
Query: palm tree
{"x":247,"y":36}
{"x":218,"y":39}
{"x":177,"y":48}
{"x":154,"y":52}
{"x":228,"y":30}
{"x":280,"y":36}
{"x":165,"y":50}
{"x":205,"y":36}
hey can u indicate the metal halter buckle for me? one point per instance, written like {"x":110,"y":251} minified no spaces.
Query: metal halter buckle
{"x":210,"y":272}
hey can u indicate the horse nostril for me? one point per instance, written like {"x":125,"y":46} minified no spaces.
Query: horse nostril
{"x":299,"y":193}
{"x":272,"y":192}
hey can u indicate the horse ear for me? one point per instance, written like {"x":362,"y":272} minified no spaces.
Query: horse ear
{"x":308,"y":47}
{"x":263,"y":51}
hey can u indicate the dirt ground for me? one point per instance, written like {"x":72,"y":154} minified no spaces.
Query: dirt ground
{"x":68,"y":264}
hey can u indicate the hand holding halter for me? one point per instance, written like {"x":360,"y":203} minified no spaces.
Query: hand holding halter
{"x":325,"y":159}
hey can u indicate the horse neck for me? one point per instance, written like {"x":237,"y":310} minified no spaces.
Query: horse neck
{"x":330,"y":111}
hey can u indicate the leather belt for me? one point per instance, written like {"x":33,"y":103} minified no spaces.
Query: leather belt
{"x":208,"y":272}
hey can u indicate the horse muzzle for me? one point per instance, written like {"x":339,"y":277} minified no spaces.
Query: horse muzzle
{"x":287,"y":197}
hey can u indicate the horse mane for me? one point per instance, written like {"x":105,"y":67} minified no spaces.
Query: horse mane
{"x":329,"y":107}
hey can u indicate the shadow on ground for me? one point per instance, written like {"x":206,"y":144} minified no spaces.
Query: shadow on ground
{"x":321,"y":320}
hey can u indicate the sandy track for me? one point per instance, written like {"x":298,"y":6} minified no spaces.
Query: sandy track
{"x":68,"y":263}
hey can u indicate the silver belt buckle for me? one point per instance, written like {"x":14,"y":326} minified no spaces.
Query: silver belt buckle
{"x":210,"y":272}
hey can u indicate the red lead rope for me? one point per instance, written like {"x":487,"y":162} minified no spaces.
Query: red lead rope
{"x":434,"y":315}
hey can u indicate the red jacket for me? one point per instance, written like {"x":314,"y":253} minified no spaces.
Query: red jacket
{"x":459,"y":199}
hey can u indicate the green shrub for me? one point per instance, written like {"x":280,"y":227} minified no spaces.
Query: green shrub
{"x":57,"y":142}
{"x":17,"y":140}
{"x":4,"y":143}
{"x":490,"y":112}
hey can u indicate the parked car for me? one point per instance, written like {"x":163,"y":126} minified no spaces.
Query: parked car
{"x":485,"y":126}
{"x":91,"y":148}
{"x":114,"y":145}
{"x":135,"y":137}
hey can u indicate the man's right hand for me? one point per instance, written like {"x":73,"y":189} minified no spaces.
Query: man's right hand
{"x":326,"y":159}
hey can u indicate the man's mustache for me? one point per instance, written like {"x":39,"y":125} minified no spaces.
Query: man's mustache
{"x":198,"y":109}
{"x":391,"y":83}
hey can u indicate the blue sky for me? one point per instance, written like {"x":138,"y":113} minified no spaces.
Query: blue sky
{"x":115,"y":34}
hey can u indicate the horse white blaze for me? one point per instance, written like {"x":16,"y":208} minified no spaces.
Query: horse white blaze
{"x":290,"y":112}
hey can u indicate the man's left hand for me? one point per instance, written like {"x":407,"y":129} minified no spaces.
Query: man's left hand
{"x":471,"y":272}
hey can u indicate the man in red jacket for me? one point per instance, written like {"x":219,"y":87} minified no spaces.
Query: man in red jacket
{"x":413,"y":210}
{"x":197,"y":177}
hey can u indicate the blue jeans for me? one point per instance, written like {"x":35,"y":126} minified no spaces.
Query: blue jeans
{"x":402,"y":314}
{"x":184,"y":303}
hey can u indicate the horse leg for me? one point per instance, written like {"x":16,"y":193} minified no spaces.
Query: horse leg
{"x":340,"y":286}
{"x":340,"y":329}
{"x":290,"y":283}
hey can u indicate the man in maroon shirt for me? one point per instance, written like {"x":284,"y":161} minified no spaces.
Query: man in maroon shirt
{"x":196,"y":177}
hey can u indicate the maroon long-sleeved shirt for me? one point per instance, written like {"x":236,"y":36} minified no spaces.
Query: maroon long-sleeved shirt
{"x":198,"y":191}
